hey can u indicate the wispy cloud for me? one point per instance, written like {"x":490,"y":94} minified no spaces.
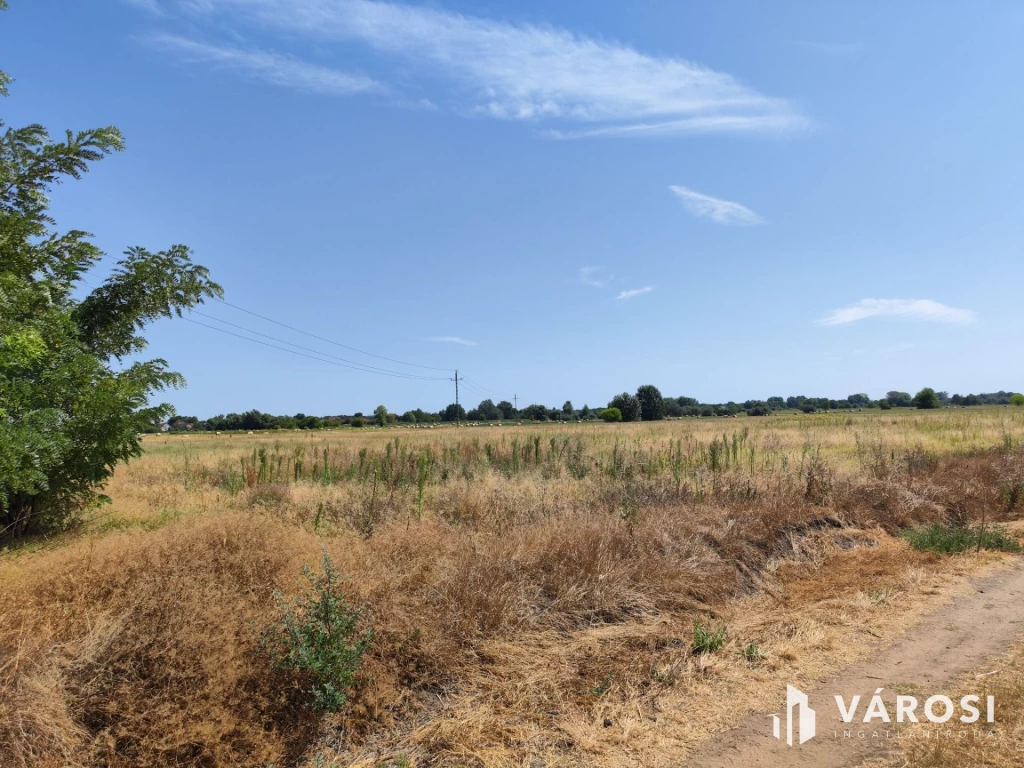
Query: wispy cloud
{"x":719,"y":211}
{"x":834,"y":49}
{"x":907,"y":309}
{"x":635,"y":292}
{"x":512,"y":71}
{"x":267,"y":66}
{"x":452,"y":340}
{"x":597,"y":277}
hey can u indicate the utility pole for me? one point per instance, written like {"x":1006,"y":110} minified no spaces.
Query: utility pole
{"x":458,"y":416}
{"x":515,"y":402}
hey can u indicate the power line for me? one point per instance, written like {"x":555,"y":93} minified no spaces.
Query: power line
{"x":473,"y":388}
{"x":482,"y":387}
{"x":363,"y":366}
{"x":329,"y":341}
{"x":312,"y":357}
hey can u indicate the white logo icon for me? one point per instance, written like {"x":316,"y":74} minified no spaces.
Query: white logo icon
{"x":805,"y":717}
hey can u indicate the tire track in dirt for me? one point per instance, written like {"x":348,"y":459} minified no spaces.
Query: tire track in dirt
{"x":949,"y":642}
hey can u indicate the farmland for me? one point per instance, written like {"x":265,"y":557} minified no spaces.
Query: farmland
{"x":535,"y":592}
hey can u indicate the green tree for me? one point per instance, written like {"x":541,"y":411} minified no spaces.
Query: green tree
{"x":1017,"y":400}
{"x":453,"y":412}
{"x":652,"y":404}
{"x":927,"y":398}
{"x":611,"y":414}
{"x":628,"y":406}
{"x":488,"y":410}
{"x":380,"y":415}
{"x":508,"y":410}
{"x":69,"y":412}
{"x":899,"y":399}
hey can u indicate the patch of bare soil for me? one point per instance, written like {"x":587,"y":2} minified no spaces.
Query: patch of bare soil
{"x":924,"y":661}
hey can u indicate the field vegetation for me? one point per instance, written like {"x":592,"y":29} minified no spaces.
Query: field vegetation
{"x":571,"y":595}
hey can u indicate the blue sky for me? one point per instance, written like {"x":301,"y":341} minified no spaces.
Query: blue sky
{"x":728,"y":200}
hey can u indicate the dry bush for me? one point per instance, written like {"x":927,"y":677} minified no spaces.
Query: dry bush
{"x":137,"y":649}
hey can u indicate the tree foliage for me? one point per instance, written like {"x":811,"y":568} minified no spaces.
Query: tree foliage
{"x":628,"y":405}
{"x":70,"y":410}
{"x":652,"y":404}
{"x":927,"y":398}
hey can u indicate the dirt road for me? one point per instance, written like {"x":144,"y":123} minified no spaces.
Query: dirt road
{"x":949,"y":642}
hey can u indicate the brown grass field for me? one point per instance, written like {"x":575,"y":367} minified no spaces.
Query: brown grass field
{"x":533,"y":589}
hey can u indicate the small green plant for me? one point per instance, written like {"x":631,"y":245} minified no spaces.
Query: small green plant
{"x":705,"y":639}
{"x":752,"y":652}
{"x":947,"y":540}
{"x":422,"y":464}
{"x":317,"y":636}
{"x":600,"y":690}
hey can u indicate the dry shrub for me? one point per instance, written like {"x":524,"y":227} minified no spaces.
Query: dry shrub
{"x":137,"y":649}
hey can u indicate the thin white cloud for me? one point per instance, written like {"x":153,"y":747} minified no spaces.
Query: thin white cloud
{"x":269,"y":67}
{"x":453,"y":340}
{"x":691,"y":125}
{"x":907,"y":309}
{"x":719,"y":211}
{"x":635,"y":292}
{"x":596,"y":277}
{"x":513,"y":71}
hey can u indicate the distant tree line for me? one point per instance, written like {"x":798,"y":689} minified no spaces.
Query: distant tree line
{"x":647,"y":404}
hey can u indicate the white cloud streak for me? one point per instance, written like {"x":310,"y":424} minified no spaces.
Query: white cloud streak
{"x":923,"y":310}
{"x":269,"y":67}
{"x":526,"y":72}
{"x":453,"y":340}
{"x":635,"y":292}
{"x":596,"y":277}
{"x":719,"y":211}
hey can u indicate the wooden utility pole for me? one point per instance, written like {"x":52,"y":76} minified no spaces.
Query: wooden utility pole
{"x":458,"y":416}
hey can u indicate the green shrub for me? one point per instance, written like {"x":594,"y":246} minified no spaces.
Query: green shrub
{"x":752,"y":652}
{"x":357,"y":421}
{"x":706,"y":640}
{"x":317,"y":637}
{"x":1017,"y":400}
{"x":947,"y":540}
{"x":611,"y":414}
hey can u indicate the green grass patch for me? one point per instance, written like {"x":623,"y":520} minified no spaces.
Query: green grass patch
{"x":706,"y":639}
{"x":948,"y":540}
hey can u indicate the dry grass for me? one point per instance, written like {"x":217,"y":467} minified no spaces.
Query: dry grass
{"x":544,"y":588}
{"x":978,"y":746}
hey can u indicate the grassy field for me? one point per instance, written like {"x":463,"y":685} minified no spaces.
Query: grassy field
{"x":533,"y":590}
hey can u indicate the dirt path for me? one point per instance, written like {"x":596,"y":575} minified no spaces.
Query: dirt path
{"x":947,"y":643}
